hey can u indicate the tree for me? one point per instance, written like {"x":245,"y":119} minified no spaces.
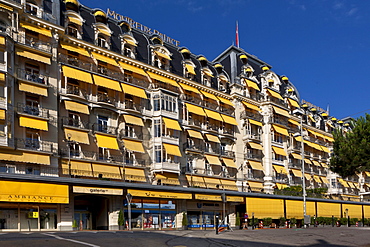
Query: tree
{"x":351,"y":149}
{"x":121,"y":218}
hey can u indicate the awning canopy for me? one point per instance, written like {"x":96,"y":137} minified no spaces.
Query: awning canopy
{"x":106,"y":171}
{"x":195,"y":134}
{"x":250,"y":106}
{"x":213,"y":138}
{"x":132,"y":68}
{"x":74,"y":20}
{"x":135,"y":174}
{"x":229,"y":185}
{"x":280,"y":111}
{"x":255,"y":122}
{"x":33,"y":123}
{"x":163,"y":79}
{"x":297,"y":173}
{"x":278,"y":150}
{"x":307,"y":161}
{"x":229,"y":162}
{"x":135,"y":146}
{"x":172,"y":149}
{"x":195,"y":109}
{"x":280,"y":169}
{"x":255,"y":145}
{"x":77,"y":136}
{"x":280,"y":130}
{"x":307,"y":176}
{"x":296,"y":156}
{"x":168,"y":178}
{"x":36,"y":29}
{"x":77,"y":107}
{"x":225,"y":101}
{"x":107,"y":141}
{"x":213,"y":160}
{"x":214,"y":115}
{"x":108,"y":83}
{"x":133,"y":120}
{"x":76,"y":49}
{"x":196,"y":181}
{"x":255,"y":186}
{"x":316,"y":163}
{"x":104,"y":59}
{"x":274,"y":94}
{"x":2,"y":114}
{"x":293,"y":102}
{"x":189,"y":88}
{"x":229,"y":120}
{"x":344,"y":183}
{"x":293,"y":122}
{"x":31,"y":88}
{"x":33,"y":56}
{"x":162,"y":55}
{"x":25,"y":157}
{"x":135,"y":91}
{"x":190,"y":69}
{"x":172,"y":124}
{"x":252,"y":84}
{"x":256,"y":165}
{"x":317,"y":179}
{"x":209,"y":95}
{"x":325,"y":180}
{"x":77,"y":74}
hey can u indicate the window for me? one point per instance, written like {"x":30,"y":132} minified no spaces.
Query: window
{"x":102,"y":68}
{"x":157,"y":128}
{"x":72,"y":30}
{"x":129,"y":158}
{"x":128,"y":51}
{"x":130,"y":131}
{"x":102,"y":124}
{"x":278,"y":137}
{"x":102,"y":42}
{"x":31,"y":8}
{"x":73,"y":120}
{"x":74,"y":149}
{"x":278,"y":157}
{"x":32,"y":105}
{"x":334,"y":183}
{"x":158,"y":154}
{"x":33,"y":73}
{"x":7,"y":169}
{"x":33,"y":170}
{"x":165,"y":102}
{"x":32,"y":139}
{"x":103,"y":154}
{"x":157,"y":105}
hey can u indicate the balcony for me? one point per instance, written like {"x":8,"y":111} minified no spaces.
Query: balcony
{"x":193,"y":99}
{"x":30,"y":170}
{"x":76,"y":62}
{"x":36,"y":145}
{"x":159,"y":84}
{"x":279,"y":120}
{"x":251,"y":176}
{"x":210,"y":105}
{"x":35,"y":10}
{"x":104,"y":128}
{"x":105,"y":98}
{"x":227,"y":110}
{"x":134,"y":81}
{"x":253,"y":156}
{"x":212,"y":127}
{"x":33,"y":110}
{"x":72,"y":122}
{"x":108,"y":72}
{"x":193,"y":122}
{"x":295,"y":165}
{"x":230,"y":154}
{"x":211,"y":150}
{"x":75,"y":90}
{"x":168,"y":166}
{"x":194,"y":148}
{"x":35,"y":43}
{"x":133,"y":134}
{"x":277,"y":101}
{"x":227,"y":131}
{"x":32,"y":77}
{"x":253,"y":136}
{"x":248,"y":114}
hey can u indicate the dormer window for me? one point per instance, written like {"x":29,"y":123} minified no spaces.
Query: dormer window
{"x":102,"y":41}
{"x":207,"y":77}
{"x":161,"y":56}
{"x":32,"y":8}
{"x":189,"y":71}
{"x":72,"y":30}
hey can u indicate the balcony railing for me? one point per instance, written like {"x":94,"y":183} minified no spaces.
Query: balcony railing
{"x":67,"y":121}
{"x":253,"y":156}
{"x":212,"y":150}
{"x":75,"y":90}
{"x":210,"y":105}
{"x":228,"y":153}
{"x":131,"y":134}
{"x":280,"y":120}
{"x":33,"y":77}
{"x":104,"y":128}
{"x":103,"y":97}
{"x":108,"y":72}
{"x":194,"y":147}
{"x":227,"y":131}
{"x":76,"y":62}
{"x":135,"y":81}
{"x":193,"y":99}
{"x":159,"y":84}
{"x":35,"y":144}
{"x":254,"y":136}
{"x":248,"y":114}
{"x":34,"y":43}
{"x":33,"y":110}
{"x":227,"y":110}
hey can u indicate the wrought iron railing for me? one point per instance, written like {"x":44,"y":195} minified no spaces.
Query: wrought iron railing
{"x":33,"y":77}
{"x":33,"y":110}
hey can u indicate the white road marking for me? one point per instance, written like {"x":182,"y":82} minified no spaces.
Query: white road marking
{"x":2,"y":233}
{"x":26,"y":233}
{"x":71,"y":240}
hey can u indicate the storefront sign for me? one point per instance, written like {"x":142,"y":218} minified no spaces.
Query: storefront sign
{"x":100,"y":191}
{"x":235,"y":198}
{"x":138,"y":26}
{"x":208,"y":197}
{"x":33,"y":215}
{"x":158,"y":194}
{"x":33,"y":192}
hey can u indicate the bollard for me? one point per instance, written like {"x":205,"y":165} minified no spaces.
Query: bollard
{"x":349,"y":224}
{"x":332,"y":221}
{"x":217,"y":224}
{"x":253,"y":222}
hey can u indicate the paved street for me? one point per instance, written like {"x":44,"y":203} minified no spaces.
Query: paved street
{"x":320,"y":236}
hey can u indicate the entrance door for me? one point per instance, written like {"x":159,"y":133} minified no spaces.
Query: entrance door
{"x":83,"y":220}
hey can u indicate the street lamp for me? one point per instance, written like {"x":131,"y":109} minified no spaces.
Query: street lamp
{"x":301,"y":113}
{"x":129,"y":198}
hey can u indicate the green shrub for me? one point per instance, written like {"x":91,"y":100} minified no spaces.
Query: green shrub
{"x":293,"y":221}
{"x":365,"y":221}
{"x":321,"y":220}
{"x":121,"y":218}
{"x":327,"y":220}
{"x":252,"y":222}
{"x":353,"y":221}
{"x":237,"y":220}
{"x":282,"y":221}
{"x":184,"y":219}
{"x":267,"y":221}
{"x":343,"y":221}
{"x":74,"y":224}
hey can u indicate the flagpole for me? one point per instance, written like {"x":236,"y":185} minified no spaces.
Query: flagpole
{"x":237,"y":35}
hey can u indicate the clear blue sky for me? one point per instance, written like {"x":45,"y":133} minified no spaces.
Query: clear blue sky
{"x":321,"y":45}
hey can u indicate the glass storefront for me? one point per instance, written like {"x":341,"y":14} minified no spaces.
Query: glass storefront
{"x":8,"y":216}
{"x":152,"y":214}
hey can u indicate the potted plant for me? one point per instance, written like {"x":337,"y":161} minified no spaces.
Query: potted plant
{"x":74,"y":225}
{"x":267,"y":221}
{"x":121,"y":220}
{"x":237,"y":221}
{"x":293,"y":222}
{"x":184,"y":221}
{"x":282,"y":221}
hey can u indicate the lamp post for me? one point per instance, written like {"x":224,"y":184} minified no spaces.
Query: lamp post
{"x":300,"y":113}
{"x":129,"y":198}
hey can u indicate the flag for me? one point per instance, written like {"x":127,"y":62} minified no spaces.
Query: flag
{"x":237,"y":35}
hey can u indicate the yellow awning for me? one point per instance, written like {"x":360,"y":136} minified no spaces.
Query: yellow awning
{"x":225,"y":101}
{"x":77,"y":49}
{"x":367,"y":173}
{"x":209,"y":95}
{"x":293,"y":102}
{"x":294,"y":122}
{"x":330,"y":139}
{"x":296,"y":156}
{"x":104,"y":31}
{"x":207,"y":73}
{"x":213,"y":160}
{"x":255,"y":145}
{"x":213,"y":138}
{"x":195,"y":109}
{"x":297,"y":173}
{"x":250,"y":106}
{"x":280,"y":130}
{"x":351,"y":185}
{"x":74,"y":20}
{"x":108,"y":83}
{"x":307,"y":161}
{"x":256,"y":165}
{"x":329,"y":124}
{"x":133,"y":120}
{"x":135,"y":174}
{"x":213,"y":115}
{"x":139,"y":92}
{"x":135,"y":146}
{"x":312,"y":119}
{"x":2,"y":41}
{"x":229,"y":162}
{"x":77,"y":107}
{"x":324,"y":165}
{"x":317,"y":179}
{"x":172,"y":149}
{"x":190,"y":69}
{"x":33,"y":56}
{"x":25,"y":157}
{"x":278,"y":150}
{"x":325,"y":149}
{"x":344,"y":183}
{"x":130,"y":42}
{"x":163,"y":79}
{"x":281,"y":186}
{"x":196,"y":181}
{"x":195,"y":134}
{"x":252,"y":84}
{"x":77,"y":168}
{"x":229,"y":185}
{"x":3,"y":6}
{"x":33,"y":123}
{"x":107,"y":141}
{"x":162,"y":55}
{"x":229,"y":120}
{"x":132,"y":68}
{"x":77,"y":136}
{"x":29,"y":192}
{"x":171,"y":124}
{"x":255,"y":122}
{"x":77,"y":74}
{"x":281,"y":111}
{"x":280,"y":169}
{"x":2,"y":77}
{"x":316,"y":163}
{"x":298,"y":138}
{"x":307,"y":176}
{"x":106,"y":171}
{"x":2,"y":114}
{"x":212,"y":183}
{"x":104,"y":59}
{"x":37,"y":29}
{"x":189,"y":88}
{"x":39,"y":90}
{"x":255,"y":185}
{"x":168,"y":178}
{"x":274,"y":94}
